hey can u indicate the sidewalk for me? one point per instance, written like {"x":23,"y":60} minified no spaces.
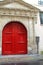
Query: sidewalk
{"x":19,"y":58}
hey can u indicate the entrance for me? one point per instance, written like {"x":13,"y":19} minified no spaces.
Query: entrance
{"x":14,"y":39}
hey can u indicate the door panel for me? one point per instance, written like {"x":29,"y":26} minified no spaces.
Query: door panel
{"x":7,"y":40}
{"x":21,"y":45}
{"x":7,"y":49}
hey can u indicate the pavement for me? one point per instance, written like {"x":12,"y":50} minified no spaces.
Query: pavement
{"x":25,"y":63}
{"x":21,"y":60}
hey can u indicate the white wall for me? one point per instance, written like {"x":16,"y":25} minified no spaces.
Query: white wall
{"x":39,"y":32}
{"x":39,"y":28}
{"x":38,"y":25}
{"x":31,"y":1}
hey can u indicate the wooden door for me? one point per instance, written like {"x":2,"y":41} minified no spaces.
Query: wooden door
{"x":14,"y":39}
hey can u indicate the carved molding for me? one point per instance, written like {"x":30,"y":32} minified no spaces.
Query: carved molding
{"x":10,"y":12}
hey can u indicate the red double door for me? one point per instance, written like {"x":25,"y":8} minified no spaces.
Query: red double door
{"x":14,"y":39}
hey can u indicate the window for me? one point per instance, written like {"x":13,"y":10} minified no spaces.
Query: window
{"x":41,"y":17}
{"x":1,"y":0}
{"x":40,"y":2}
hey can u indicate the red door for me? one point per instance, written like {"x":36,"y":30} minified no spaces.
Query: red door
{"x":14,"y":39}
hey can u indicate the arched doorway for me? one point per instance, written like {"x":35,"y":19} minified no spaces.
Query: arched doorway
{"x":14,"y":39}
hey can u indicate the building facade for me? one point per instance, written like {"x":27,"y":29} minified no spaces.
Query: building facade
{"x":39,"y":24}
{"x":17,"y":32}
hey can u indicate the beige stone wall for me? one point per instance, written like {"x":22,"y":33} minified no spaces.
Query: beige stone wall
{"x":5,"y":19}
{"x":16,"y":5}
{"x":28,"y":23}
{"x":22,"y":12}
